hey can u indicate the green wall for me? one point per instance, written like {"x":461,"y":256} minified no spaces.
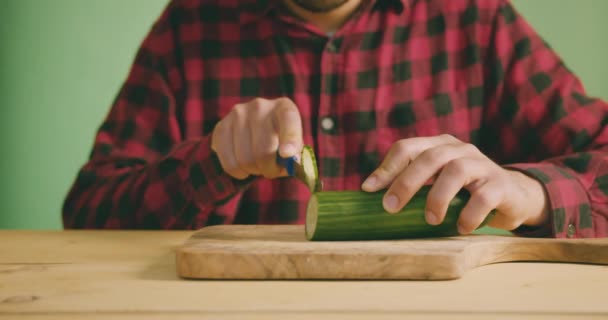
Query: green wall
{"x":62,"y":62}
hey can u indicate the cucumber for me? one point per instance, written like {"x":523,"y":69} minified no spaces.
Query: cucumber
{"x":307,"y":170}
{"x":359,"y":215}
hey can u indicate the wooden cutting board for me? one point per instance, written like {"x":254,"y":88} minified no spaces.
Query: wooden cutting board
{"x":282,"y":252}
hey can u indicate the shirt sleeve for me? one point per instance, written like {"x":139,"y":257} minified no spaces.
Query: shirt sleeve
{"x":141,"y":173}
{"x":547,"y":126}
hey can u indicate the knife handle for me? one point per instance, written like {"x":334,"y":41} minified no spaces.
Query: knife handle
{"x":288,"y":164}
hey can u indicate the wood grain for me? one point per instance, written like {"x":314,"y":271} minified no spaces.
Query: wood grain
{"x":301,"y":316}
{"x":282,"y":252}
{"x":132,"y":275}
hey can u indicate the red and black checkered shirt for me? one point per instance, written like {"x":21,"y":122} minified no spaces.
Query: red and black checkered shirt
{"x":397,"y":69}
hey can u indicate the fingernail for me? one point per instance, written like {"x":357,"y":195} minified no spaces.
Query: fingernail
{"x":370,"y":183}
{"x":391,"y":202}
{"x":461,"y":229}
{"x":288,"y":150}
{"x":431,"y":218}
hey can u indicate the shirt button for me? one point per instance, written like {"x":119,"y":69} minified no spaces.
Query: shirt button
{"x":331,"y":47}
{"x":571,"y":230}
{"x":327,"y":124}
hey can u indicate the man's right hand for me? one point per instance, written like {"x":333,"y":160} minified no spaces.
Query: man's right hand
{"x":247,"y":139}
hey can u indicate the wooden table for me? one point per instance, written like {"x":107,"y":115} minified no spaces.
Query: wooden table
{"x":131,"y":275}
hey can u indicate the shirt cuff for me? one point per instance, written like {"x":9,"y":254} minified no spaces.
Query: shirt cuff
{"x":570,"y":210}
{"x":208,"y":181}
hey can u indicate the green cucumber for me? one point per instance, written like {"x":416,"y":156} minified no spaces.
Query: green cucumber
{"x":307,"y":171}
{"x":359,"y":215}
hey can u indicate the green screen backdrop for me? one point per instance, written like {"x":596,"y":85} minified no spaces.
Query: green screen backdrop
{"x":62,"y":62}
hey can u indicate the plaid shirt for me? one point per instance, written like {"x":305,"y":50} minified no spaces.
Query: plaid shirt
{"x":470,"y":68}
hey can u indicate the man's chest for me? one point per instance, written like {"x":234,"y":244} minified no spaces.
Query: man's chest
{"x":357,"y":94}
{"x":355,"y":79}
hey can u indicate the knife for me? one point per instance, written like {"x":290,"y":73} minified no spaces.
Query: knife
{"x":297,"y":170}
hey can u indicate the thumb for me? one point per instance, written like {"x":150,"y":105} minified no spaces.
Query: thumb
{"x":288,"y":124}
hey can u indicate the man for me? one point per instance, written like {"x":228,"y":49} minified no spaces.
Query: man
{"x":391,"y":94}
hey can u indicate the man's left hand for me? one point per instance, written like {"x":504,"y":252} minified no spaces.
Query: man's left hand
{"x":453,"y":165}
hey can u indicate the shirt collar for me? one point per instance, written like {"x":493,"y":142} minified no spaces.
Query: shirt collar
{"x":256,"y":9}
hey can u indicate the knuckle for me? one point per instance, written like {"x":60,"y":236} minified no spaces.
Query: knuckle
{"x":400,"y":149}
{"x":434,"y":155}
{"x":257,"y":105}
{"x":383,"y":171}
{"x":401,"y":146}
{"x":457,"y":166}
{"x":448,"y":137}
{"x":389,"y":168}
{"x":239,"y":110}
{"x":470,"y":148}
{"x":284,"y":101}
{"x":485,"y":198}
{"x":258,"y":102}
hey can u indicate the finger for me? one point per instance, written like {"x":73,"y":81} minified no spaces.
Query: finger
{"x":483,"y":200}
{"x":398,"y":157}
{"x":241,"y":140}
{"x":222,"y":145}
{"x":422,"y":169}
{"x":288,"y":124}
{"x":504,"y":222}
{"x":289,"y":128}
{"x":455,"y":175}
{"x":266,"y":143}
